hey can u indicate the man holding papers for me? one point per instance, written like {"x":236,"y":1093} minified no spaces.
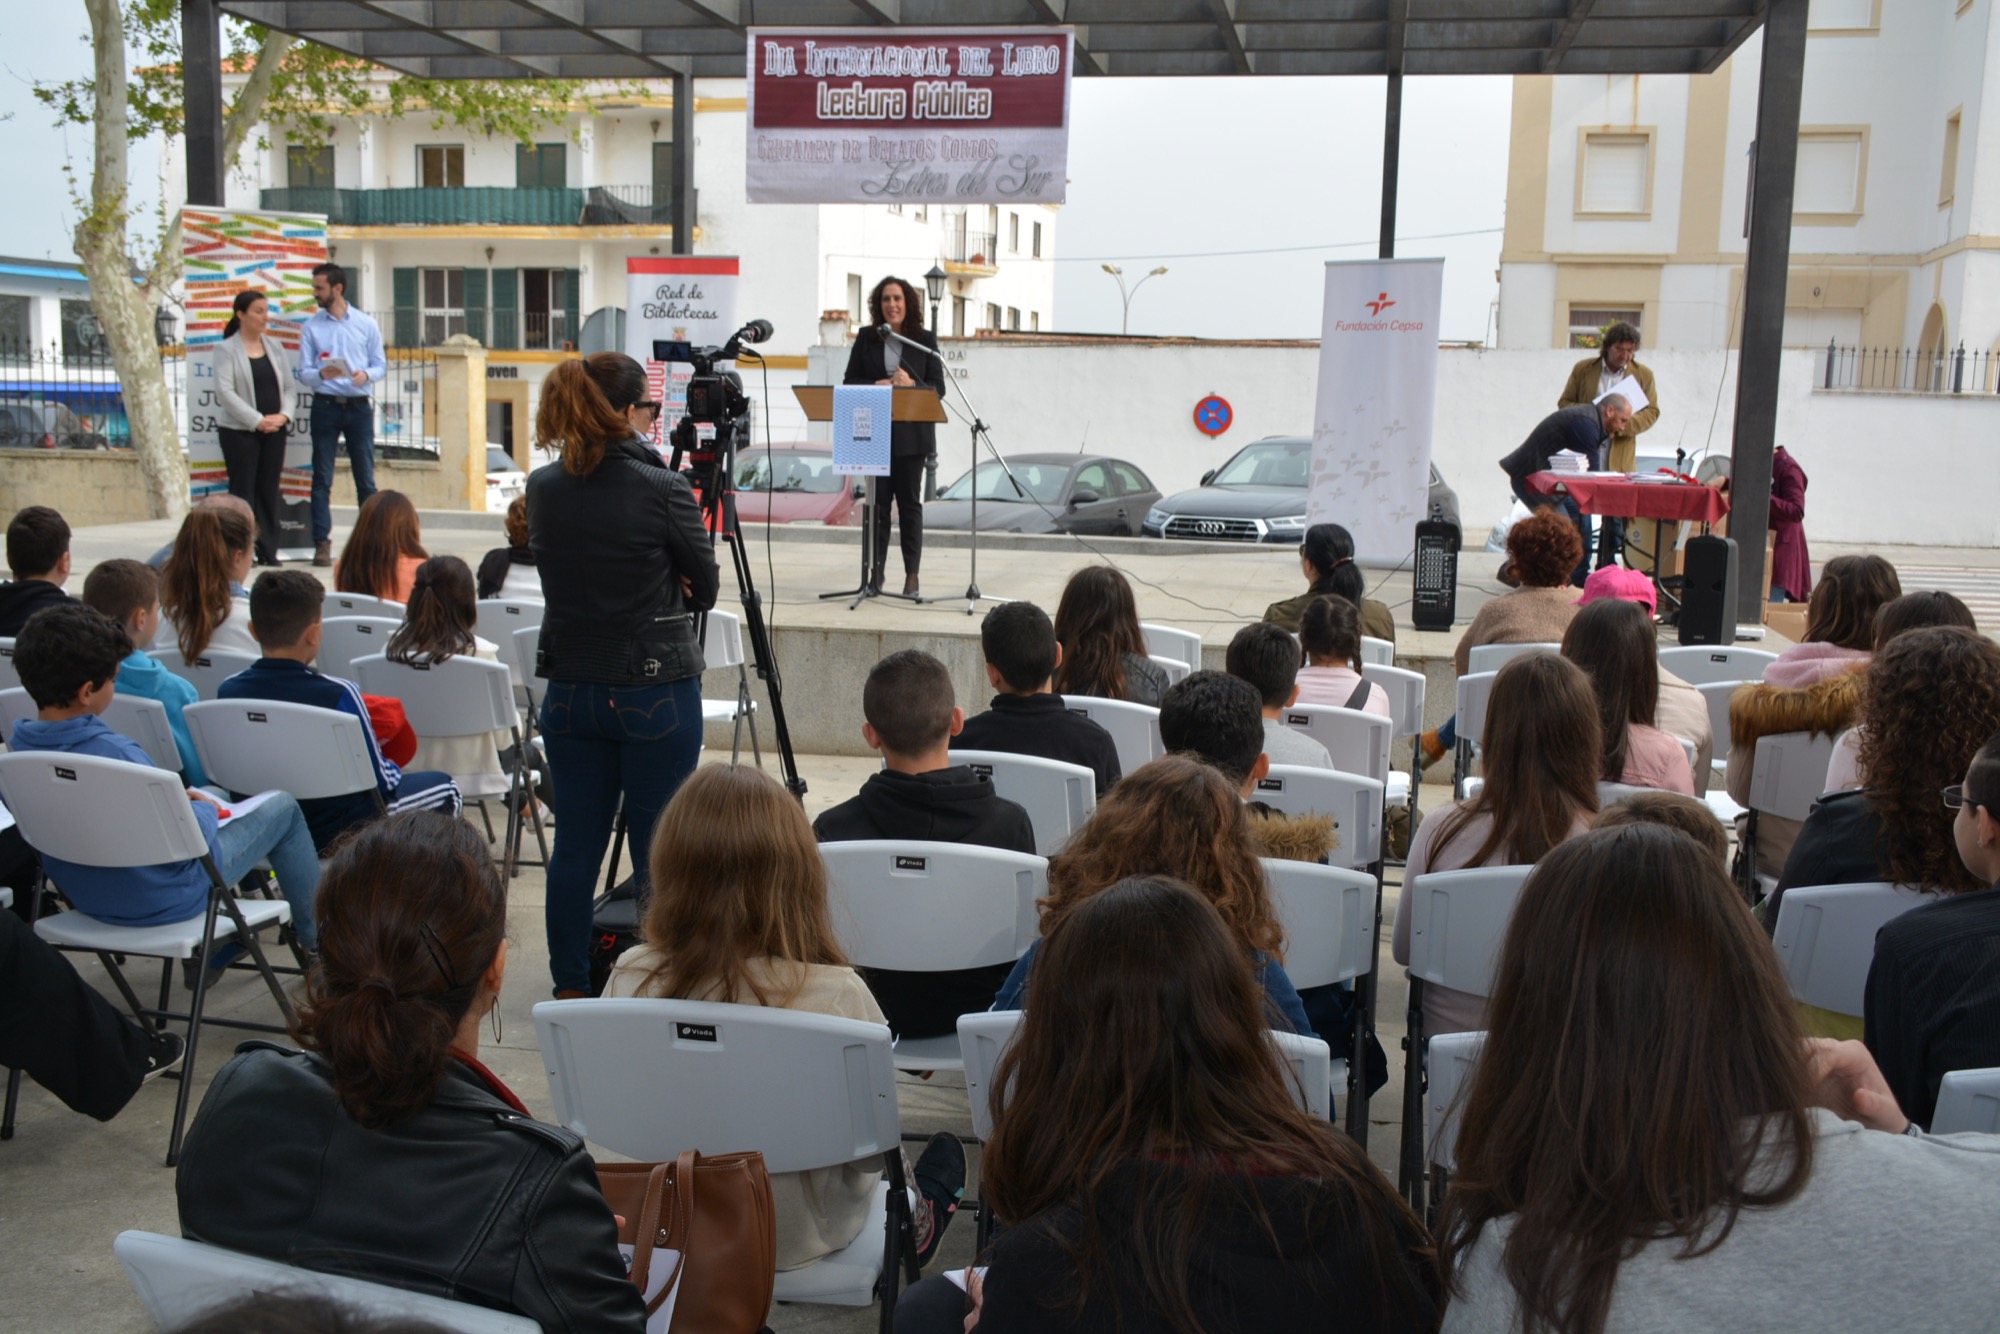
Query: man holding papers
{"x":1613,"y":371}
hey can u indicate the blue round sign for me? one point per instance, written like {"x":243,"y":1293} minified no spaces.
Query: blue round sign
{"x":1212,"y":415}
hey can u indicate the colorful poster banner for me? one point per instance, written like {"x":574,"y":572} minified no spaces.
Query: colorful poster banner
{"x":930,"y":115}
{"x":678,"y":299}
{"x":1371,"y":456}
{"x":224,"y":252}
{"x":862,"y":415}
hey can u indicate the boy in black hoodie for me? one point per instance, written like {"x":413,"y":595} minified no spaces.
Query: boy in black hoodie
{"x":38,"y":555}
{"x":922,"y":797}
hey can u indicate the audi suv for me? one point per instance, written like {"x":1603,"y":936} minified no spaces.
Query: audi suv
{"x":1259,"y":495}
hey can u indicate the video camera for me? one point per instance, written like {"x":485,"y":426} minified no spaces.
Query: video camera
{"x":714,"y":399}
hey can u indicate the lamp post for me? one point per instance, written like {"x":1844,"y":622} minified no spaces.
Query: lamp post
{"x":1118,"y":275}
{"x":934,"y":282}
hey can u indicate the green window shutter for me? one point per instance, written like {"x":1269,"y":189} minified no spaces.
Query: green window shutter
{"x":506,"y":308}
{"x":403,"y":288}
{"x":475,"y":303}
{"x":572,"y":280}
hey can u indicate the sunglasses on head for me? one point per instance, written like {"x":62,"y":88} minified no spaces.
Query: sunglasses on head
{"x":1956,"y":796}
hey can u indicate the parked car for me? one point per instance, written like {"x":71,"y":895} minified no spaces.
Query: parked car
{"x":1059,"y":493}
{"x":795,"y":485}
{"x":1259,"y":495}
{"x":504,"y":480}
{"x":30,"y":425}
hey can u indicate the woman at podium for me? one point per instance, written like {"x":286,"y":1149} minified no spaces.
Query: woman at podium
{"x":895,"y":306}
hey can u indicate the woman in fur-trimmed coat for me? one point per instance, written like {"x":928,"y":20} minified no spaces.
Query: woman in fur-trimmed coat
{"x":1761,"y":709}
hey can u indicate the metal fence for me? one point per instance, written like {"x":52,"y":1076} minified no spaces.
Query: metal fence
{"x":1909,"y":370}
{"x":589,"y":206}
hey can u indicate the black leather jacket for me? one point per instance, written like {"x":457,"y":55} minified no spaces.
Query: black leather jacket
{"x":468,"y":1199}
{"x":612,"y":548}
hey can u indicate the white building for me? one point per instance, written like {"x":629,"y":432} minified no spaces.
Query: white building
{"x":1626,"y":195}
{"x":448,"y":231}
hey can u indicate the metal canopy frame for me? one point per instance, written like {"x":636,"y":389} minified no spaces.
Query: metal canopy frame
{"x":682,"y":40}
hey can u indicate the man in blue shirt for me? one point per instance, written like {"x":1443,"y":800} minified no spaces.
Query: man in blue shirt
{"x":340,"y":359}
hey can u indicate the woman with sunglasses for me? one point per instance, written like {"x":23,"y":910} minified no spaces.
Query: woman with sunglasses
{"x":625,"y":562}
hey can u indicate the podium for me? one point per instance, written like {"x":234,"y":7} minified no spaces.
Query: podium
{"x":906,"y":405}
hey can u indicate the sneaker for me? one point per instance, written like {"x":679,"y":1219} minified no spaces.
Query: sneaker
{"x":166,"y":1053}
{"x":940,"y":1174}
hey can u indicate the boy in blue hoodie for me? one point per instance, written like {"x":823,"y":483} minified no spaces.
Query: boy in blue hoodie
{"x":128,"y":592}
{"x":68,"y":657}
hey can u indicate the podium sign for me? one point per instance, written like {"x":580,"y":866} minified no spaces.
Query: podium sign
{"x":861,"y":423}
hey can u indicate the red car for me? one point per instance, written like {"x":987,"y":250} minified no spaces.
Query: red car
{"x":795,"y":484}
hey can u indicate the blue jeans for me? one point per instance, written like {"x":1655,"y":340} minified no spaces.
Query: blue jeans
{"x":276,"y":831}
{"x":641,"y":741}
{"x":333,"y":417}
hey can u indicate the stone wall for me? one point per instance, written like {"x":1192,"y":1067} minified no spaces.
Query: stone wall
{"x":88,"y":487}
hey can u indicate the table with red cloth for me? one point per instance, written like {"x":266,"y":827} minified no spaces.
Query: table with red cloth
{"x":1616,"y":495}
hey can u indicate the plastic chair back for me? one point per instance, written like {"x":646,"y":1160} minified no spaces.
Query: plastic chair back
{"x":1451,"y":1058}
{"x":1474,"y":689}
{"x":1457,"y":922}
{"x":1405,"y":690}
{"x":1134,"y":728}
{"x":1492,"y":657}
{"x":16,"y":705}
{"x":9,"y":678}
{"x":257,"y":745}
{"x":1717,"y":694}
{"x":1377,"y":652}
{"x":1058,"y":797}
{"x":345,"y":638}
{"x":1825,"y":939}
{"x":722,"y":639}
{"x":177,"y":1280}
{"x":1358,"y":741}
{"x":1790,"y":773}
{"x":1703,"y":664}
{"x":457,"y":697}
{"x":209,"y":669}
{"x":932,"y":907}
{"x":360,"y":604}
{"x":1166,"y":641}
{"x":1968,"y":1100}
{"x":499,"y":618}
{"x":527,"y":645}
{"x":99,"y":812}
{"x":1329,"y":918}
{"x":1354,"y":802}
{"x":144,"y":721}
{"x":652,"y":1078}
{"x":1175,"y":669}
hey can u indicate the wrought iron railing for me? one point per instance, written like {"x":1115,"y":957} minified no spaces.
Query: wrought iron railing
{"x":502,"y":330}
{"x":1908,"y":370}
{"x":480,"y":205}
{"x":49,"y":400}
{"x":970,"y":247}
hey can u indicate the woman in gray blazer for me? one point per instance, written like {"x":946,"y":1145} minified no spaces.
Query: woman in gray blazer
{"x":251,"y":372}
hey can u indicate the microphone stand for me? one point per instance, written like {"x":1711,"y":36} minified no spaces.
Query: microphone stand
{"x":973,"y":597}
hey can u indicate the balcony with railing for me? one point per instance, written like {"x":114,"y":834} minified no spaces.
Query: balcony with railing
{"x":500,"y":330}
{"x":480,"y":206}
{"x":970,"y":254}
{"x":1907,"y":370}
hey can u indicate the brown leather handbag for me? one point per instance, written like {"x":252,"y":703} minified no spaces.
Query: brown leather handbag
{"x":716,"y":1211}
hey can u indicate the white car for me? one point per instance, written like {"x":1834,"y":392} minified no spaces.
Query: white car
{"x":504,"y":480}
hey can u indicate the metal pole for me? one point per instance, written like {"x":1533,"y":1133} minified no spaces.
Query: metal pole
{"x":1392,"y":150}
{"x":683,"y":173}
{"x":1764,"y":267}
{"x":201,"y":88}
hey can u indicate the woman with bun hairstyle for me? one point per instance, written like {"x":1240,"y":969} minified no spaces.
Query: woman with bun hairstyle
{"x":384,"y":1150}
{"x":1326,"y":559}
{"x":383,"y":551}
{"x":203,"y":603}
{"x":253,"y":375}
{"x":626,"y":565}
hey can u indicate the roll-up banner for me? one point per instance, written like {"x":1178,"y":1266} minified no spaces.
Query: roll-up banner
{"x":679,"y":299}
{"x":1371,"y":454}
{"x":225,"y":251}
{"x":946,"y":115}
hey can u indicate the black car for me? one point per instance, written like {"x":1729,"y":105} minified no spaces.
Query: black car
{"x":1259,"y":495}
{"x":1059,"y":493}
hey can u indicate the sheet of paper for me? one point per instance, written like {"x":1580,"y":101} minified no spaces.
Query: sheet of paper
{"x":958,"y":1275}
{"x":1629,"y":390}
{"x":333,"y":368}
{"x":238,"y":809}
{"x":664,"y":1260}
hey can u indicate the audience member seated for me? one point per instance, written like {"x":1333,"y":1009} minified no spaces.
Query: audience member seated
{"x":68,"y":657}
{"x":128,"y":592}
{"x":1674,"y":811}
{"x":385,"y":1151}
{"x":1542,"y":549}
{"x":1912,"y":611}
{"x":438,"y":625}
{"x":1027,"y":716}
{"x":1326,"y":559}
{"x":1330,"y":635}
{"x":1269,"y":660}
{"x":285,"y":616}
{"x":921,"y":796}
{"x":38,"y":558}
{"x":509,"y":571}
{"x":738,"y":914}
{"x":1813,"y":687}
{"x":1615,"y":645}
{"x":1180,"y":818}
{"x":1149,"y":1160}
{"x":1933,"y":997}
{"x":202,"y":600}
{"x":383,"y":551}
{"x":1214,"y":717}
{"x":1103,"y":648}
{"x":213,"y":500}
{"x":1540,"y":756}
{"x":1648,"y":1141}
{"x":56,"y":1029}
{"x":1682,"y":712}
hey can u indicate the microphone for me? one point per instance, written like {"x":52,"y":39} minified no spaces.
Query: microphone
{"x":756,"y":331}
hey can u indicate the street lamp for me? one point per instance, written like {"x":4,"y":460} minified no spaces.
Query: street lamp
{"x":934,"y":282}
{"x":1118,"y":275}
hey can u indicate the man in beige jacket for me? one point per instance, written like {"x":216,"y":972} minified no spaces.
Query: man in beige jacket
{"x":1589,"y":380}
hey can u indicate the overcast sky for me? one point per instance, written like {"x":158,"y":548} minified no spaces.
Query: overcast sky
{"x":1186,"y":173}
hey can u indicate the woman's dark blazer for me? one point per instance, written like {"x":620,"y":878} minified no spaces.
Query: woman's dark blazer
{"x":865,"y":365}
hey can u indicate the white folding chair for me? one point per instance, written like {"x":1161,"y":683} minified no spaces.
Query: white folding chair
{"x":1492,"y":657}
{"x":1717,"y":694}
{"x":257,"y":745}
{"x":1458,"y":920}
{"x":1329,"y":918}
{"x":499,"y":618}
{"x":345,"y":638}
{"x":1474,"y":689}
{"x":360,"y":604}
{"x":1165,"y":641}
{"x":722,"y":646}
{"x":96,"y":812}
{"x":16,"y":705}
{"x":144,"y":721}
{"x":461,"y":697}
{"x":1967,"y":1100}
{"x":1175,"y":669}
{"x":1703,"y":664}
{"x":1134,"y":728}
{"x":1451,"y":1058}
{"x":1353,"y":800}
{"x":1787,"y":777}
{"x":1357,"y":740}
{"x":177,"y":1280}
{"x":1825,"y":939}
{"x":1377,"y":652}
{"x":207,"y":670}
{"x":1058,"y":797}
{"x":651,"y":1079}
{"x":9,"y":678}
{"x":917,"y":907}
{"x":1405,"y":690}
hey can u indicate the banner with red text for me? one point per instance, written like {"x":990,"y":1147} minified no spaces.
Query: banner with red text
{"x":677,"y":299}
{"x":1371,"y":456}
{"x":927,"y":115}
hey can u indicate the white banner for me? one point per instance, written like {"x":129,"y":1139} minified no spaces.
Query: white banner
{"x":933,"y":115}
{"x":679,"y":299}
{"x":1371,"y":457}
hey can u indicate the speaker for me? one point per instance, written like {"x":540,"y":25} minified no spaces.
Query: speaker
{"x":1434,"y":583}
{"x":1708,"y":597}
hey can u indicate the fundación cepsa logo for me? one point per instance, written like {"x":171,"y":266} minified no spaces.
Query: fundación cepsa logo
{"x":1377,"y":324}
{"x":1379,"y":304}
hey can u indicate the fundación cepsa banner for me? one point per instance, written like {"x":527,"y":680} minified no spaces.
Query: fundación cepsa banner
{"x":678,"y":299}
{"x":1371,"y":455}
{"x":927,"y":115}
